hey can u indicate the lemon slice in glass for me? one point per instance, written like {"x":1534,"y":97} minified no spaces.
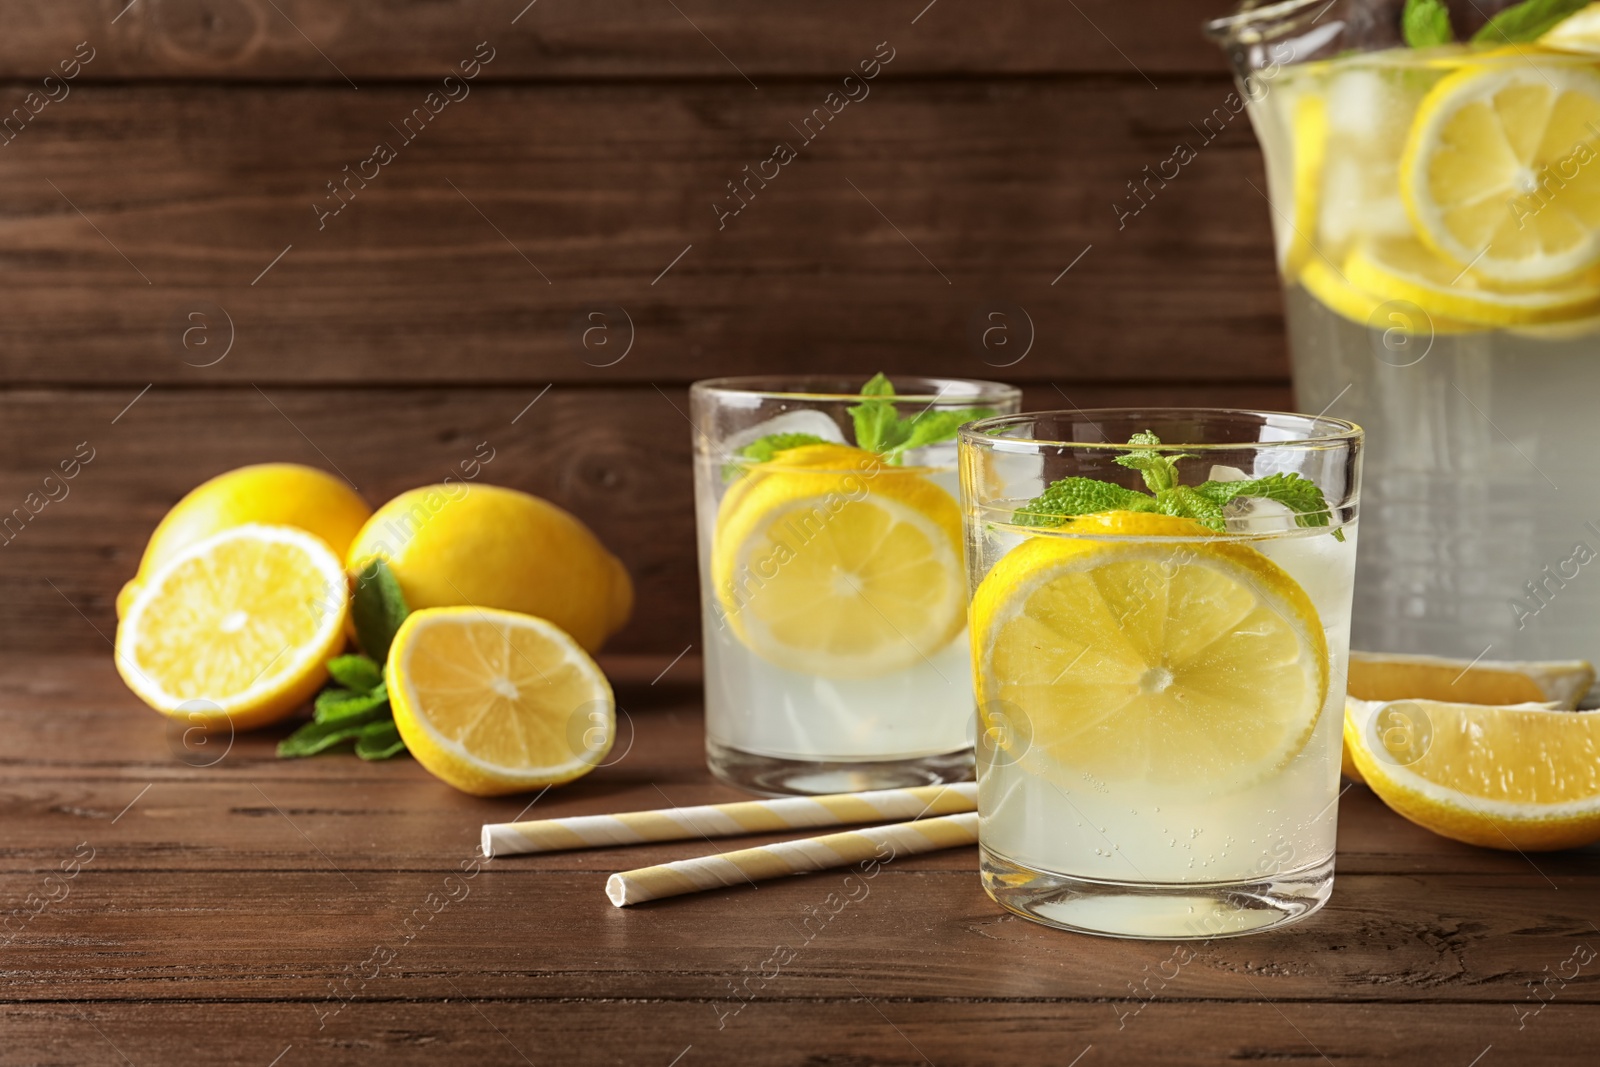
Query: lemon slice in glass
{"x":1501,"y":170}
{"x":828,"y":561}
{"x":497,"y":702}
{"x":1515,"y":776}
{"x":1184,"y":661}
{"x":1402,"y":269}
{"x":237,"y":626}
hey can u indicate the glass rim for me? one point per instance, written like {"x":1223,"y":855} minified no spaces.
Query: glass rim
{"x":812,"y":387}
{"x":979,"y":433}
{"x":1226,"y":26}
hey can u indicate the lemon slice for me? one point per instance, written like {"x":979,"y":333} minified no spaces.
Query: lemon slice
{"x":830,"y":562}
{"x":236,"y":626}
{"x":1409,"y":319}
{"x":1190,"y":663}
{"x":1501,"y":170}
{"x":1578,"y":33}
{"x":498,"y":702}
{"x":1402,"y":269}
{"x":1516,"y":776}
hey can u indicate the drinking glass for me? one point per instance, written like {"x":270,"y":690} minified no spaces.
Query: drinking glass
{"x":1438,"y":233}
{"x":832,"y":589}
{"x":1160,"y":624}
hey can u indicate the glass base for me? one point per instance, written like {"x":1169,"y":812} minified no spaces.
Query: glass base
{"x":775,"y":777}
{"x":1179,"y":912}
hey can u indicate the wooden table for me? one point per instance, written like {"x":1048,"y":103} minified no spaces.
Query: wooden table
{"x":330,"y":911}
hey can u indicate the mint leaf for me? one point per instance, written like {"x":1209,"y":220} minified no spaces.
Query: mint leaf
{"x":1160,"y":470}
{"x":1527,"y":21}
{"x":379,"y":740}
{"x":879,"y":427}
{"x":1187,"y":503}
{"x":930,"y":427}
{"x":1426,"y":23}
{"x":378,"y":608}
{"x":338,"y":705}
{"x":316,"y":737}
{"x":1079,"y":496}
{"x":356,"y":672}
{"x":1299,"y":495}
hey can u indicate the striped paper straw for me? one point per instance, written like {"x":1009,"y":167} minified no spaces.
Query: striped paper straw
{"x":792,"y":857}
{"x":726,"y":820}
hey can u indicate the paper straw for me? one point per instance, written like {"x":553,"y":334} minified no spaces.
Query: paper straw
{"x":727,"y":820}
{"x":792,"y":857}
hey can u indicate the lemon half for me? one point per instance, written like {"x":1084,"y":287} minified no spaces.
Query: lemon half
{"x":237,"y":626}
{"x":1509,"y":777}
{"x":1192,"y":662}
{"x":498,"y":702}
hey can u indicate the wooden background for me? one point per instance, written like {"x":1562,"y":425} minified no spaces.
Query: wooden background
{"x":426,"y":316}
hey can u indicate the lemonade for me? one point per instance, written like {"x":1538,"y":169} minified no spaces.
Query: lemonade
{"x":1160,"y":670}
{"x":1435,"y":192}
{"x":832,"y":582}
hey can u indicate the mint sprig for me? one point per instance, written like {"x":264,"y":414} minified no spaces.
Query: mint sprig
{"x":1068,"y":498}
{"x":356,"y":708}
{"x":1426,"y":23}
{"x":1527,"y":21}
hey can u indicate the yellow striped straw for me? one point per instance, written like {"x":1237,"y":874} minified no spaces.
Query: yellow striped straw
{"x":883,"y":843}
{"x":727,"y":820}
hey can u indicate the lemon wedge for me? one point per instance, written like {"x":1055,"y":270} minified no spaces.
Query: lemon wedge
{"x":1518,"y":776}
{"x":1403,"y":269}
{"x":1501,"y":170}
{"x":828,"y":561}
{"x":1190,"y":662}
{"x":236,"y":626}
{"x":497,"y":702}
{"x":1393,"y":676}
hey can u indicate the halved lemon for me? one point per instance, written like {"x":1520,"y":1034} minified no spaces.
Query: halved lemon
{"x":1501,"y":170}
{"x":237,"y":626}
{"x":498,"y":702}
{"x":1176,"y":661}
{"x":1402,"y":269}
{"x":830,"y":562}
{"x":1509,"y":777}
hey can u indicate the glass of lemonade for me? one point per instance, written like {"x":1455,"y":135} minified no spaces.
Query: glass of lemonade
{"x":1160,"y":624}
{"x":832,"y":590}
{"x":1435,"y":193}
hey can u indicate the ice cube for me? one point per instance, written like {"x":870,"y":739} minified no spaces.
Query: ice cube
{"x":806,"y":420}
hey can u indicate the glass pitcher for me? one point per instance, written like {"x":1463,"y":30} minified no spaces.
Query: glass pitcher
{"x":1435,"y":196}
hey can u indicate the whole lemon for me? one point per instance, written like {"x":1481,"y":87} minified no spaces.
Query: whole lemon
{"x":498,"y":548}
{"x":274,"y":494}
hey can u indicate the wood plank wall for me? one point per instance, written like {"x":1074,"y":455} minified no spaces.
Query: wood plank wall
{"x":167,"y":242}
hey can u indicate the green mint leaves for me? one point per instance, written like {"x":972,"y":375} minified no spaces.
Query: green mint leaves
{"x":1527,"y":21}
{"x":356,"y":707}
{"x":1425,"y":23}
{"x":1068,"y":498}
{"x":879,"y":428}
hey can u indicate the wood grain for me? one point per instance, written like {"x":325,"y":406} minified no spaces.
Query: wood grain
{"x":479,"y":252}
{"x":618,"y":458}
{"x":328,"y":40}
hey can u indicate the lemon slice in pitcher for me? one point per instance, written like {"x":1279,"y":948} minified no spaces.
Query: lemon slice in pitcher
{"x":1195,"y":662}
{"x":829,"y":561}
{"x":1501,"y":170}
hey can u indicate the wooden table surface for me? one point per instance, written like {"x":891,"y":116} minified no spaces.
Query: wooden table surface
{"x":331,"y":911}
